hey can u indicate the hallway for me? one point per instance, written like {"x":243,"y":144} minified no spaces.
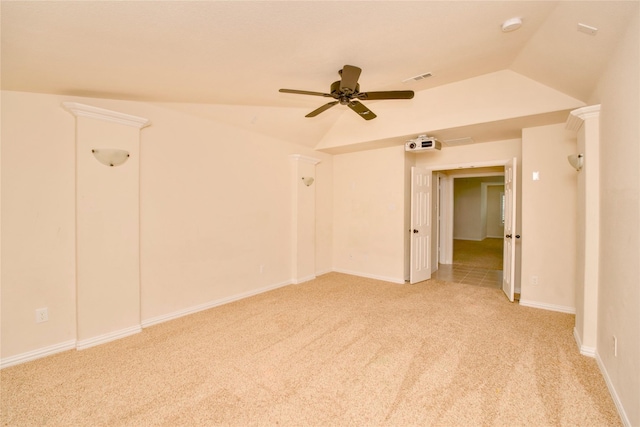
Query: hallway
{"x":476,"y":263}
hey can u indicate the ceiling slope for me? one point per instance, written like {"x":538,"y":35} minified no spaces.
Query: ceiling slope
{"x":230,"y":54}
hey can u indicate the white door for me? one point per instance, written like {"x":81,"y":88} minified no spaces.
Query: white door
{"x":420,"y":225}
{"x":508,"y":270}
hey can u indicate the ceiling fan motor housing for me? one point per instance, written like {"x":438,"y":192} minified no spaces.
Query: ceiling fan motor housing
{"x":342,"y":95}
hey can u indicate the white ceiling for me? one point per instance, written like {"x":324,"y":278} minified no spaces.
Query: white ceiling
{"x":241,"y":52}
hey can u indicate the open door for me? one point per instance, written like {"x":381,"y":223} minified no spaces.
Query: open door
{"x":508,"y":273}
{"x":420,"y":225}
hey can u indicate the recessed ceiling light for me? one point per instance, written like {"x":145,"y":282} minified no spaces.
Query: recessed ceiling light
{"x":511,"y":25}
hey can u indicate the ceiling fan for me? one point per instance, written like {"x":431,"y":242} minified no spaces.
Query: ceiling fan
{"x":347,"y":92}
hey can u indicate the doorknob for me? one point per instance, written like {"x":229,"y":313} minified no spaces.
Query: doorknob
{"x":517,"y":236}
{"x":415,"y":231}
{"x":508,"y":236}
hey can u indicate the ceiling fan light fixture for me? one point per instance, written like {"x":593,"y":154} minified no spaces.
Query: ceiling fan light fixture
{"x":511,"y":25}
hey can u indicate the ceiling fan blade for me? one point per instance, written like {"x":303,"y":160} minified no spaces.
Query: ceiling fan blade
{"x":305,"y":92}
{"x":363,"y":111}
{"x":350,"y":76}
{"x":390,"y":94}
{"x":321,"y":109}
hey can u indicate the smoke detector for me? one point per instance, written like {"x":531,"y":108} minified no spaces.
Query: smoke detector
{"x":511,"y":25}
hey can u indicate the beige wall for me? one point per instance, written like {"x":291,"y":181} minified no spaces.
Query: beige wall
{"x":619,"y":289}
{"x":215,"y":206}
{"x":370,"y":213}
{"x":548,"y":218}
{"x":472,"y":212}
{"x":483,"y":99}
{"x":38,"y":223}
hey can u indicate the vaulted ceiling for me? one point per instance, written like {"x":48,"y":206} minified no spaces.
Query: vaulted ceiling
{"x":235,"y":55}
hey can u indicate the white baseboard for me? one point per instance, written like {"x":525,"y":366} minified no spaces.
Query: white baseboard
{"x":545,"y":306}
{"x":201,"y":307}
{"x":321,"y":272}
{"x":37,"y":354}
{"x":612,"y":391}
{"x":370,"y":276}
{"x":584,"y":350}
{"x":105,"y":338}
{"x":112,"y":336}
{"x":302,"y":280}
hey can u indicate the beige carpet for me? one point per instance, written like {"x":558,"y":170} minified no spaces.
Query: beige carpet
{"x":336,"y":351}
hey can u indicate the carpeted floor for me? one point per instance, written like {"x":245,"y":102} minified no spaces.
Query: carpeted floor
{"x":336,"y":351}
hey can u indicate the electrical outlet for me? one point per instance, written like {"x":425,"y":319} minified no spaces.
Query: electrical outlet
{"x":42,"y":315}
{"x":615,"y":346}
{"x":533,"y":280}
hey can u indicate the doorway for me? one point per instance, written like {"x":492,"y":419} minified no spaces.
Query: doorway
{"x":469,"y":223}
{"x":442,"y":225}
{"x":474,"y":234}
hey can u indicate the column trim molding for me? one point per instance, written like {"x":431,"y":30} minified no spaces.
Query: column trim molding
{"x":306,"y":159}
{"x":577,"y":117}
{"x":83,"y":110}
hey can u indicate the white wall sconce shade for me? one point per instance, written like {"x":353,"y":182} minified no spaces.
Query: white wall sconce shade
{"x":110,"y":156}
{"x":576,"y":160}
{"x":308,"y":180}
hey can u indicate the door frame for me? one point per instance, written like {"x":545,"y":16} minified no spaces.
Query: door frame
{"x":446,"y":206}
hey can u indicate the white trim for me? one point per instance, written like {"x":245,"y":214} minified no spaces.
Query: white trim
{"x":300,"y":157}
{"x":370,"y":276}
{"x":480,"y":175}
{"x":201,"y":307}
{"x":37,"y":354}
{"x":612,"y":391}
{"x":550,"y":307}
{"x":105,"y":338}
{"x":302,"y":280}
{"x":584,"y":350}
{"x":321,"y":272}
{"x":577,"y":117}
{"x":485,"y":164}
{"x":83,"y":110}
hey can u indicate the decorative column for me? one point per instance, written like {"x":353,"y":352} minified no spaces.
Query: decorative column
{"x":107,"y":223}
{"x":586,"y":122}
{"x":303,"y":218}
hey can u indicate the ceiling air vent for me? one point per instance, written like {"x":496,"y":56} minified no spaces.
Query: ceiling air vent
{"x":417,"y":78}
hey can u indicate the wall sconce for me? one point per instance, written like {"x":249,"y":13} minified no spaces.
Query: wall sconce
{"x":110,"y":156}
{"x":308,"y":180}
{"x":576,"y":160}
